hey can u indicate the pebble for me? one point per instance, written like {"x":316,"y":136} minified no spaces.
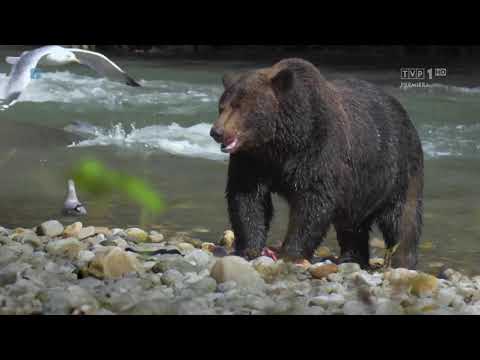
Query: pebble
{"x":136,"y":235}
{"x":86,"y":232}
{"x":347,"y":268}
{"x":69,"y":247}
{"x":237,"y":269}
{"x":73,"y":229}
{"x":156,"y":237}
{"x":228,"y":239}
{"x":113,"y":263}
{"x":322,"y":252}
{"x":320,"y":271}
{"x":63,"y":275}
{"x":50,"y":228}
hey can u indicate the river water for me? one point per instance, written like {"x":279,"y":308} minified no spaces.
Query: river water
{"x":160,"y":132}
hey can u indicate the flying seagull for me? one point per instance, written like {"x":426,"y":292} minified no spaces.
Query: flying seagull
{"x":72,"y":206}
{"x":52,"y":55}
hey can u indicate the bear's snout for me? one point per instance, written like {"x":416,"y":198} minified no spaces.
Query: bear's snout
{"x":216,"y":134}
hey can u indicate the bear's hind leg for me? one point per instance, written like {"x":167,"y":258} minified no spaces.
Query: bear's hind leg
{"x":401,"y":226}
{"x":354,"y":245}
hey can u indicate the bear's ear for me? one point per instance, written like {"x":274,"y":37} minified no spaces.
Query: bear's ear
{"x":229,"y":79}
{"x":282,"y":81}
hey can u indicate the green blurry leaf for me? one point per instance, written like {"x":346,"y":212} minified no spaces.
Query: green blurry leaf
{"x":92,"y":176}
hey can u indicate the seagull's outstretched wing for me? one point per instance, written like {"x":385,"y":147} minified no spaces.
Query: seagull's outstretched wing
{"x":104,"y":66}
{"x":20,"y":74}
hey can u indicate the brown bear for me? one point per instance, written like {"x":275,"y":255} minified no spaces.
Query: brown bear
{"x":341,"y":153}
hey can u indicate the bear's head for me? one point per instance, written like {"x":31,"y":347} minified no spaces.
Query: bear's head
{"x":266,"y":106}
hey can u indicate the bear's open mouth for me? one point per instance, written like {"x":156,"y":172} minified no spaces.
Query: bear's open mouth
{"x":229,"y":144}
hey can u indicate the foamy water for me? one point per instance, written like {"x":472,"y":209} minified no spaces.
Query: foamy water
{"x":67,"y":87}
{"x":193,"y":141}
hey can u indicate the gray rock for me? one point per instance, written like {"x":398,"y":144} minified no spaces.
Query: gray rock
{"x":50,"y":228}
{"x":234,"y":268}
{"x":65,"y":247}
{"x":86,"y":232}
{"x":347,"y":268}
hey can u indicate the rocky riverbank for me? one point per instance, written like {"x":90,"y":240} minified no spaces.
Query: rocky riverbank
{"x":52,"y":269}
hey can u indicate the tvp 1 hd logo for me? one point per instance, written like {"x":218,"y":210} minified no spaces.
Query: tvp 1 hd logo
{"x":418,"y":77}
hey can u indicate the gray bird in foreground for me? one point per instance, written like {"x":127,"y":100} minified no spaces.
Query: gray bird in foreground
{"x":72,"y":206}
{"x":24,"y":66}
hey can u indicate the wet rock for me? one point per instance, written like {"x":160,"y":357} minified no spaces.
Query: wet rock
{"x":86,"y":232}
{"x":320,"y":271}
{"x":228,"y":239}
{"x":234,"y":268}
{"x":388,"y":307}
{"x":354,"y":307}
{"x":73,"y":229}
{"x":156,"y":237}
{"x":423,"y":284}
{"x":86,"y":256}
{"x":332,"y":300}
{"x":268,"y":268}
{"x":112,"y":263}
{"x":50,"y":228}
{"x":172,"y":277}
{"x":322,"y":252}
{"x":103,"y":230}
{"x":347,"y":268}
{"x":185,"y":247}
{"x":31,"y":238}
{"x":136,"y":235}
{"x":69,"y":247}
{"x":198,"y":258}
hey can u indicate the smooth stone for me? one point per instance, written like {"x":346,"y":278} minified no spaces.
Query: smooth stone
{"x":348,"y":268}
{"x":172,"y":277}
{"x":424,"y":284}
{"x":86,"y":255}
{"x":388,"y":307}
{"x":72,"y":230}
{"x":199,"y":258}
{"x":112,"y":263}
{"x":69,"y":247}
{"x":235,"y":268}
{"x":185,"y":247}
{"x":156,"y":237}
{"x":267,"y":267}
{"x":103,"y":230}
{"x":334,"y":300}
{"x":322,"y":252}
{"x":320,"y":271}
{"x":228,"y":239}
{"x":50,"y":228}
{"x":136,"y":235}
{"x":354,"y":307}
{"x":86,"y":232}
{"x":32,"y":239}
